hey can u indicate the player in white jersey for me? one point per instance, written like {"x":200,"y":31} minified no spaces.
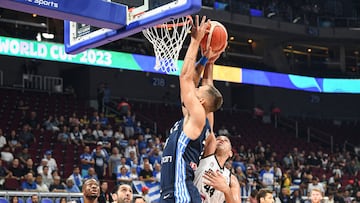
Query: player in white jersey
{"x":213,"y":180}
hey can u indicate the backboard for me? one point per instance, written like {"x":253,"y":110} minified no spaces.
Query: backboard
{"x":141,"y":14}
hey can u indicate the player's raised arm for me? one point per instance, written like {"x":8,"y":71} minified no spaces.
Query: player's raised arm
{"x":195,"y":113}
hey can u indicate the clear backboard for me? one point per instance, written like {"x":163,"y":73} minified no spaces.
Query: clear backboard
{"x":141,"y":14}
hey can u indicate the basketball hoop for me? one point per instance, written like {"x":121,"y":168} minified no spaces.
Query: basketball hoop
{"x":167,"y":40}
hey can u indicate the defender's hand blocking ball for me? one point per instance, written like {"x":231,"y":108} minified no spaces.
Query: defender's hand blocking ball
{"x":216,"y":38}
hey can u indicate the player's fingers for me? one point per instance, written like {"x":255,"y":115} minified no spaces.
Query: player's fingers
{"x":197,"y":21}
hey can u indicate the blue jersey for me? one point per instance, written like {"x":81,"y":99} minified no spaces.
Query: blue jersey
{"x":180,"y":158}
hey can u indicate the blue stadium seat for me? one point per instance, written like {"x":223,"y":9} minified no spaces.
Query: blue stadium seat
{"x":28,"y":200}
{"x":46,"y":200}
{"x":3,"y":200}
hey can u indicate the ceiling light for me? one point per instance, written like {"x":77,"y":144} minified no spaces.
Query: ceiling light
{"x":250,"y":41}
{"x":309,"y":50}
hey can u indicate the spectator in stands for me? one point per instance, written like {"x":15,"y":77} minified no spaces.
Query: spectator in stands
{"x":122,"y":194}
{"x":3,"y":141}
{"x":61,"y":122}
{"x":64,"y":136}
{"x":100,"y":162}
{"x":50,"y":160}
{"x":15,"y":169}
{"x":76,"y":137}
{"x":296,"y":197}
{"x":30,"y":167}
{"x":57,"y":186}
{"x":6,"y":154}
{"x":97,"y":132}
{"x":147,"y":134}
{"x":71,"y":186}
{"x":76,"y":177}
{"x":132,"y":160}
{"x":238,"y":162}
{"x":284,"y":195}
{"x":138,"y":129}
{"x":47,"y":177}
{"x":23,"y":155}
{"x":123,"y":107}
{"x":29,"y":184}
{"x":95,"y":119}
{"x":4,"y":173}
{"x":142,"y":144}
{"x":84,"y":121}
{"x":114,"y":161}
{"x":40,"y":168}
{"x":157,"y":171}
{"x":91,"y":174}
{"x":146,"y":174}
{"x":267,"y":176}
{"x":89,"y":138}
{"x":119,"y":137}
{"x":74,"y":120}
{"x":14,"y":199}
{"x":134,"y":173}
{"x":33,"y":121}
{"x":14,"y":141}
{"x":104,"y":121}
{"x":124,"y":176}
{"x":315,"y":185}
{"x":223,"y":131}
{"x":50,"y":124}
{"x":154,"y":156}
{"x":34,"y":198}
{"x":25,"y":136}
{"x":131,"y":147}
{"x":313,"y":160}
{"x":107,"y":138}
{"x":129,"y":122}
{"x":86,"y":160}
{"x":40,"y":185}
{"x":105,"y":195}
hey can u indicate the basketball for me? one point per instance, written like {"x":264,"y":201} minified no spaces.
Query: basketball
{"x":216,"y":38}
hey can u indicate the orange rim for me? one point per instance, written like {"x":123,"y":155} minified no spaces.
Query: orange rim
{"x":173,"y":25}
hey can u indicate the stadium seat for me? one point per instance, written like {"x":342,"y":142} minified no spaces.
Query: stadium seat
{"x":46,"y":200}
{"x":28,"y":200}
{"x":3,"y":200}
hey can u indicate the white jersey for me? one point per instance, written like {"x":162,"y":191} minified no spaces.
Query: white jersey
{"x":209,"y":194}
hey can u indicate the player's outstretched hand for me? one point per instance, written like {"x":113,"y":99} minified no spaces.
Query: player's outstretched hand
{"x":198,"y":28}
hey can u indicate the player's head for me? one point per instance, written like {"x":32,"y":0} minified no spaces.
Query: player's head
{"x":265,"y":196}
{"x":122,"y":194}
{"x":315,"y":195}
{"x":139,"y":200}
{"x":223,"y":146}
{"x":91,"y":189}
{"x":210,"y":97}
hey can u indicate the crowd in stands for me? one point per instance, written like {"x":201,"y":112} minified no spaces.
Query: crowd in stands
{"x":121,"y":150}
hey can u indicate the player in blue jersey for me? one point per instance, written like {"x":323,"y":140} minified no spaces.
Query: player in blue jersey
{"x":185,"y":143}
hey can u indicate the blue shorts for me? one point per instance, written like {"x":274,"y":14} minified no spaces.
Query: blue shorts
{"x":168,"y":196}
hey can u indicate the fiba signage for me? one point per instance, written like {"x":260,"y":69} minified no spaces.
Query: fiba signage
{"x":53,"y":4}
{"x":98,"y":13}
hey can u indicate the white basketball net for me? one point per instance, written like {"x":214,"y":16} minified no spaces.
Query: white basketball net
{"x":167,"y":40}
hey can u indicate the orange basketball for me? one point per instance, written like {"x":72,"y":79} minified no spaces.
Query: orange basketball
{"x":216,"y":38}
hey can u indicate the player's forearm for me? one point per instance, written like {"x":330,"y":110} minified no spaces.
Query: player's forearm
{"x":208,"y":74}
{"x":229,"y":197}
{"x":198,"y":70}
{"x":187,"y":71}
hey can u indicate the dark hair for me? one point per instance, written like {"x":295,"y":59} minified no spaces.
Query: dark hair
{"x":116,"y":188}
{"x":139,"y":197}
{"x":217,"y":99}
{"x":262,"y":193}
